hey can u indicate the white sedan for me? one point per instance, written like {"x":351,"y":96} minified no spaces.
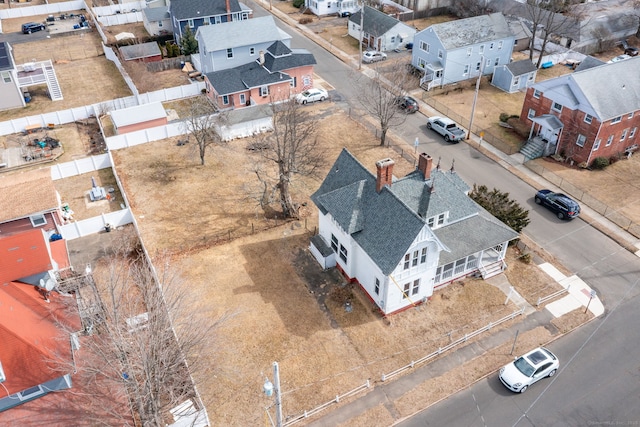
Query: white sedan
{"x":528,"y":369}
{"x":312,"y":95}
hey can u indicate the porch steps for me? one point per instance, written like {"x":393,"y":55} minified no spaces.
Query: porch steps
{"x":52,"y":82}
{"x":493,"y":269}
{"x":533,"y":149}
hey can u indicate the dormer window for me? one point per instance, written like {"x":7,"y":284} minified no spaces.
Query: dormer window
{"x":437,"y":221}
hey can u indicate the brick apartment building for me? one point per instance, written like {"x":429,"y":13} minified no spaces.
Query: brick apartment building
{"x":587,"y":114}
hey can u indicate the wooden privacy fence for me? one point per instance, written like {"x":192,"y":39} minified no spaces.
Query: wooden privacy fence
{"x":461,"y":340}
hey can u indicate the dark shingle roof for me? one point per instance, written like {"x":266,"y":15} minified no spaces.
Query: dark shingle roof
{"x":385,"y":224}
{"x":278,"y":49}
{"x":286,"y":61}
{"x":519,"y":68}
{"x":5,"y":58}
{"x":375,"y":22}
{"x":244,"y":77}
{"x":589,"y":62}
{"x":155,"y":14}
{"x":142,"y":50}
{"x":188,"y":9}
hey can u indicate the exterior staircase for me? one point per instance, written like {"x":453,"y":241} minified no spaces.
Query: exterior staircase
{"x":492,"y":269}
{"x":533,"y":149}
{"x":52,"y":81}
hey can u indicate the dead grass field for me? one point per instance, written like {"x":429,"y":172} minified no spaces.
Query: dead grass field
{"x":284,"y":307}
{"x":85,"y":75}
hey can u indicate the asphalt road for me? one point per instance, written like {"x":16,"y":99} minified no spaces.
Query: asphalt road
{"x":598,"y":382}
{"x":18,"y":37}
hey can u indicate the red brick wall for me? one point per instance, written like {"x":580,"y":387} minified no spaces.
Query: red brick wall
{"x":575,"y":125}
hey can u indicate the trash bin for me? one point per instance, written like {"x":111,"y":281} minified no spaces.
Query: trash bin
{"x":107,"y":228}
{"x":27,"y":97}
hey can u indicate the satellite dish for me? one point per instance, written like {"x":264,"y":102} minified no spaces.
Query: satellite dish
{"x":49,"y":285}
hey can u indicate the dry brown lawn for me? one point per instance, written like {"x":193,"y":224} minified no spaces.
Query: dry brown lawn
{"x":284,"y":307}
{"x":85,"y":75}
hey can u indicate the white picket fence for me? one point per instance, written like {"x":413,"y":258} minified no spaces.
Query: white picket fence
{"x":42,"y":9}
{"x":120,"y":19}
{"x":119,"y":9}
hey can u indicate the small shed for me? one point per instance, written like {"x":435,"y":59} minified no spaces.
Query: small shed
{"x":515,"y":76}
{"x":143,"y":52}
{"x":137,"y":118}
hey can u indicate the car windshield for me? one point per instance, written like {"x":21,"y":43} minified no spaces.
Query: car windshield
{"x":306,"y":93}
{"x":524,"y":366}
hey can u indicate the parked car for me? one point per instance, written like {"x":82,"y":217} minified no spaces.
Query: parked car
{"x":447,"y":128}
{"x":526,"y":370}
{"x":618,"y":59}
{"x":631,"y":51}
{"x":562,"y":205}
{"x":32,"y":27}
{"x":311,"y":95}
{"x":373,"y":56}
{"x":408,"y":104}
{"x":409,"y":45}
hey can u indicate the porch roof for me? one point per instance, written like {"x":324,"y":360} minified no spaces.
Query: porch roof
{"x":435,"y":66}
{"x":548,"y":121}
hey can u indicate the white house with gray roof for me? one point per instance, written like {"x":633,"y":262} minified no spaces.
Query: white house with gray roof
{"x":156,"y":20}
{"x":459,"y":50}
{"x":227,"y":46}
{"x":402,"y":238}
{"x":514,"y":76}
{"x":380,"y":31}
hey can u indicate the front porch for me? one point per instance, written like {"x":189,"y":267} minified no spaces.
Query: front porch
{"x":488,"y":263}
{"x":543,"y":137}
{"x":432,"y":76}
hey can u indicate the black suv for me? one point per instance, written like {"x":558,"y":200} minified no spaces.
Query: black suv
{"x":408,"y":104}
{"x":32,"y":27}
{"x":563,"y":206}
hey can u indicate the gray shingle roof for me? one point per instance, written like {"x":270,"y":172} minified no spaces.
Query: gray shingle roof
{"x":375,"y":22}
{"x":244,"y":77}
{"x":470,"y":31}
{"x":142,"y":50}
{"x":589,"y":62}
{"x":188,"y":9}
{"x":246,"y":32}
{"x":519,"y":68}
{"x":286,"y":58}
{"x":385,"y":224}
{"x":6,"y":63}
{"x":593,"y":89}
{"x":155,"y":14}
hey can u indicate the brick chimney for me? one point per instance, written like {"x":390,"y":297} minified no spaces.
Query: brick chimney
{"x":228,"y":10}
{"x":385,"y":173}
{"x":425,"y":162}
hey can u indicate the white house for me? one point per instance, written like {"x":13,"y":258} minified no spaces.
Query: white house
{"x":401,"y":238}
{"x":325,"y":7}
{"x":380,"y":31}
{"x":236,"y":43}
{"x":10,"y":92}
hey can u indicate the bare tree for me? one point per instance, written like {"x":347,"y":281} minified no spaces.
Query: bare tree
{"x":379,"y":96}
{"x":550,"y":17}
{"x":290,"y":150}
{"x":204,"y":124}
{"x":145,"y":334}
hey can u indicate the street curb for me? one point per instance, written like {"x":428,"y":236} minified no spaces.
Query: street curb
{"x":477,"y":380}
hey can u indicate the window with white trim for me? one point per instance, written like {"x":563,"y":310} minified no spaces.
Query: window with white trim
{"x":423,"y":256}
{"x":596,"y":144}
{"x":630,"y":116}
{"x":421,"y":63}
{"x":531,"y":114}
{"x":556,"y":107}
{"x":243,"y":99}
{"x":252,"y":51}
{"x":481,"y":49}
{"x":440,"y":54}
{"x":616,"y":120}
{"x":530,"y":78}
{"x":407,"y":260}
{"x":624,"y":134}
{"x":516,"y":80}
{"x":497,"y":62}
{"x":376,"y":286}
{"x":488,"y":62}
{"x":500,"y":44}
{"x":490,"y":45}
{"x":334,"y":243}
{"x":264,"y":91}
{"x":343,"y":254}
{"x":478,"y":66}
{"x":424,"y":46}
{"x":609,"y":141}
{"x":581,"y":140}
{"x":537,"y":94}
{"x":416,"y":287}
{"x":414,"y":259}
{"x":588,"y":118}
{"x":633,"y":132}
{"x":294,"y":82}
{"x":225,"y":99}
{"x":466,"y":70}
{"x":229,"y":53}
{"x":6,"y":76}
{"x":190,"y":23}
{"x":406,"y":289}
{"x":469,"y":51}
{"x":38,"y":220}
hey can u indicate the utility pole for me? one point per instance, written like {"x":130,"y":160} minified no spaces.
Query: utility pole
{"x":361,"y":33}
{"x":475,"y":97}
{"x":270,"y":389}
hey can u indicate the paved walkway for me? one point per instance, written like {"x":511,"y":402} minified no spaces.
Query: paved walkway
{"x":578,"y":293}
